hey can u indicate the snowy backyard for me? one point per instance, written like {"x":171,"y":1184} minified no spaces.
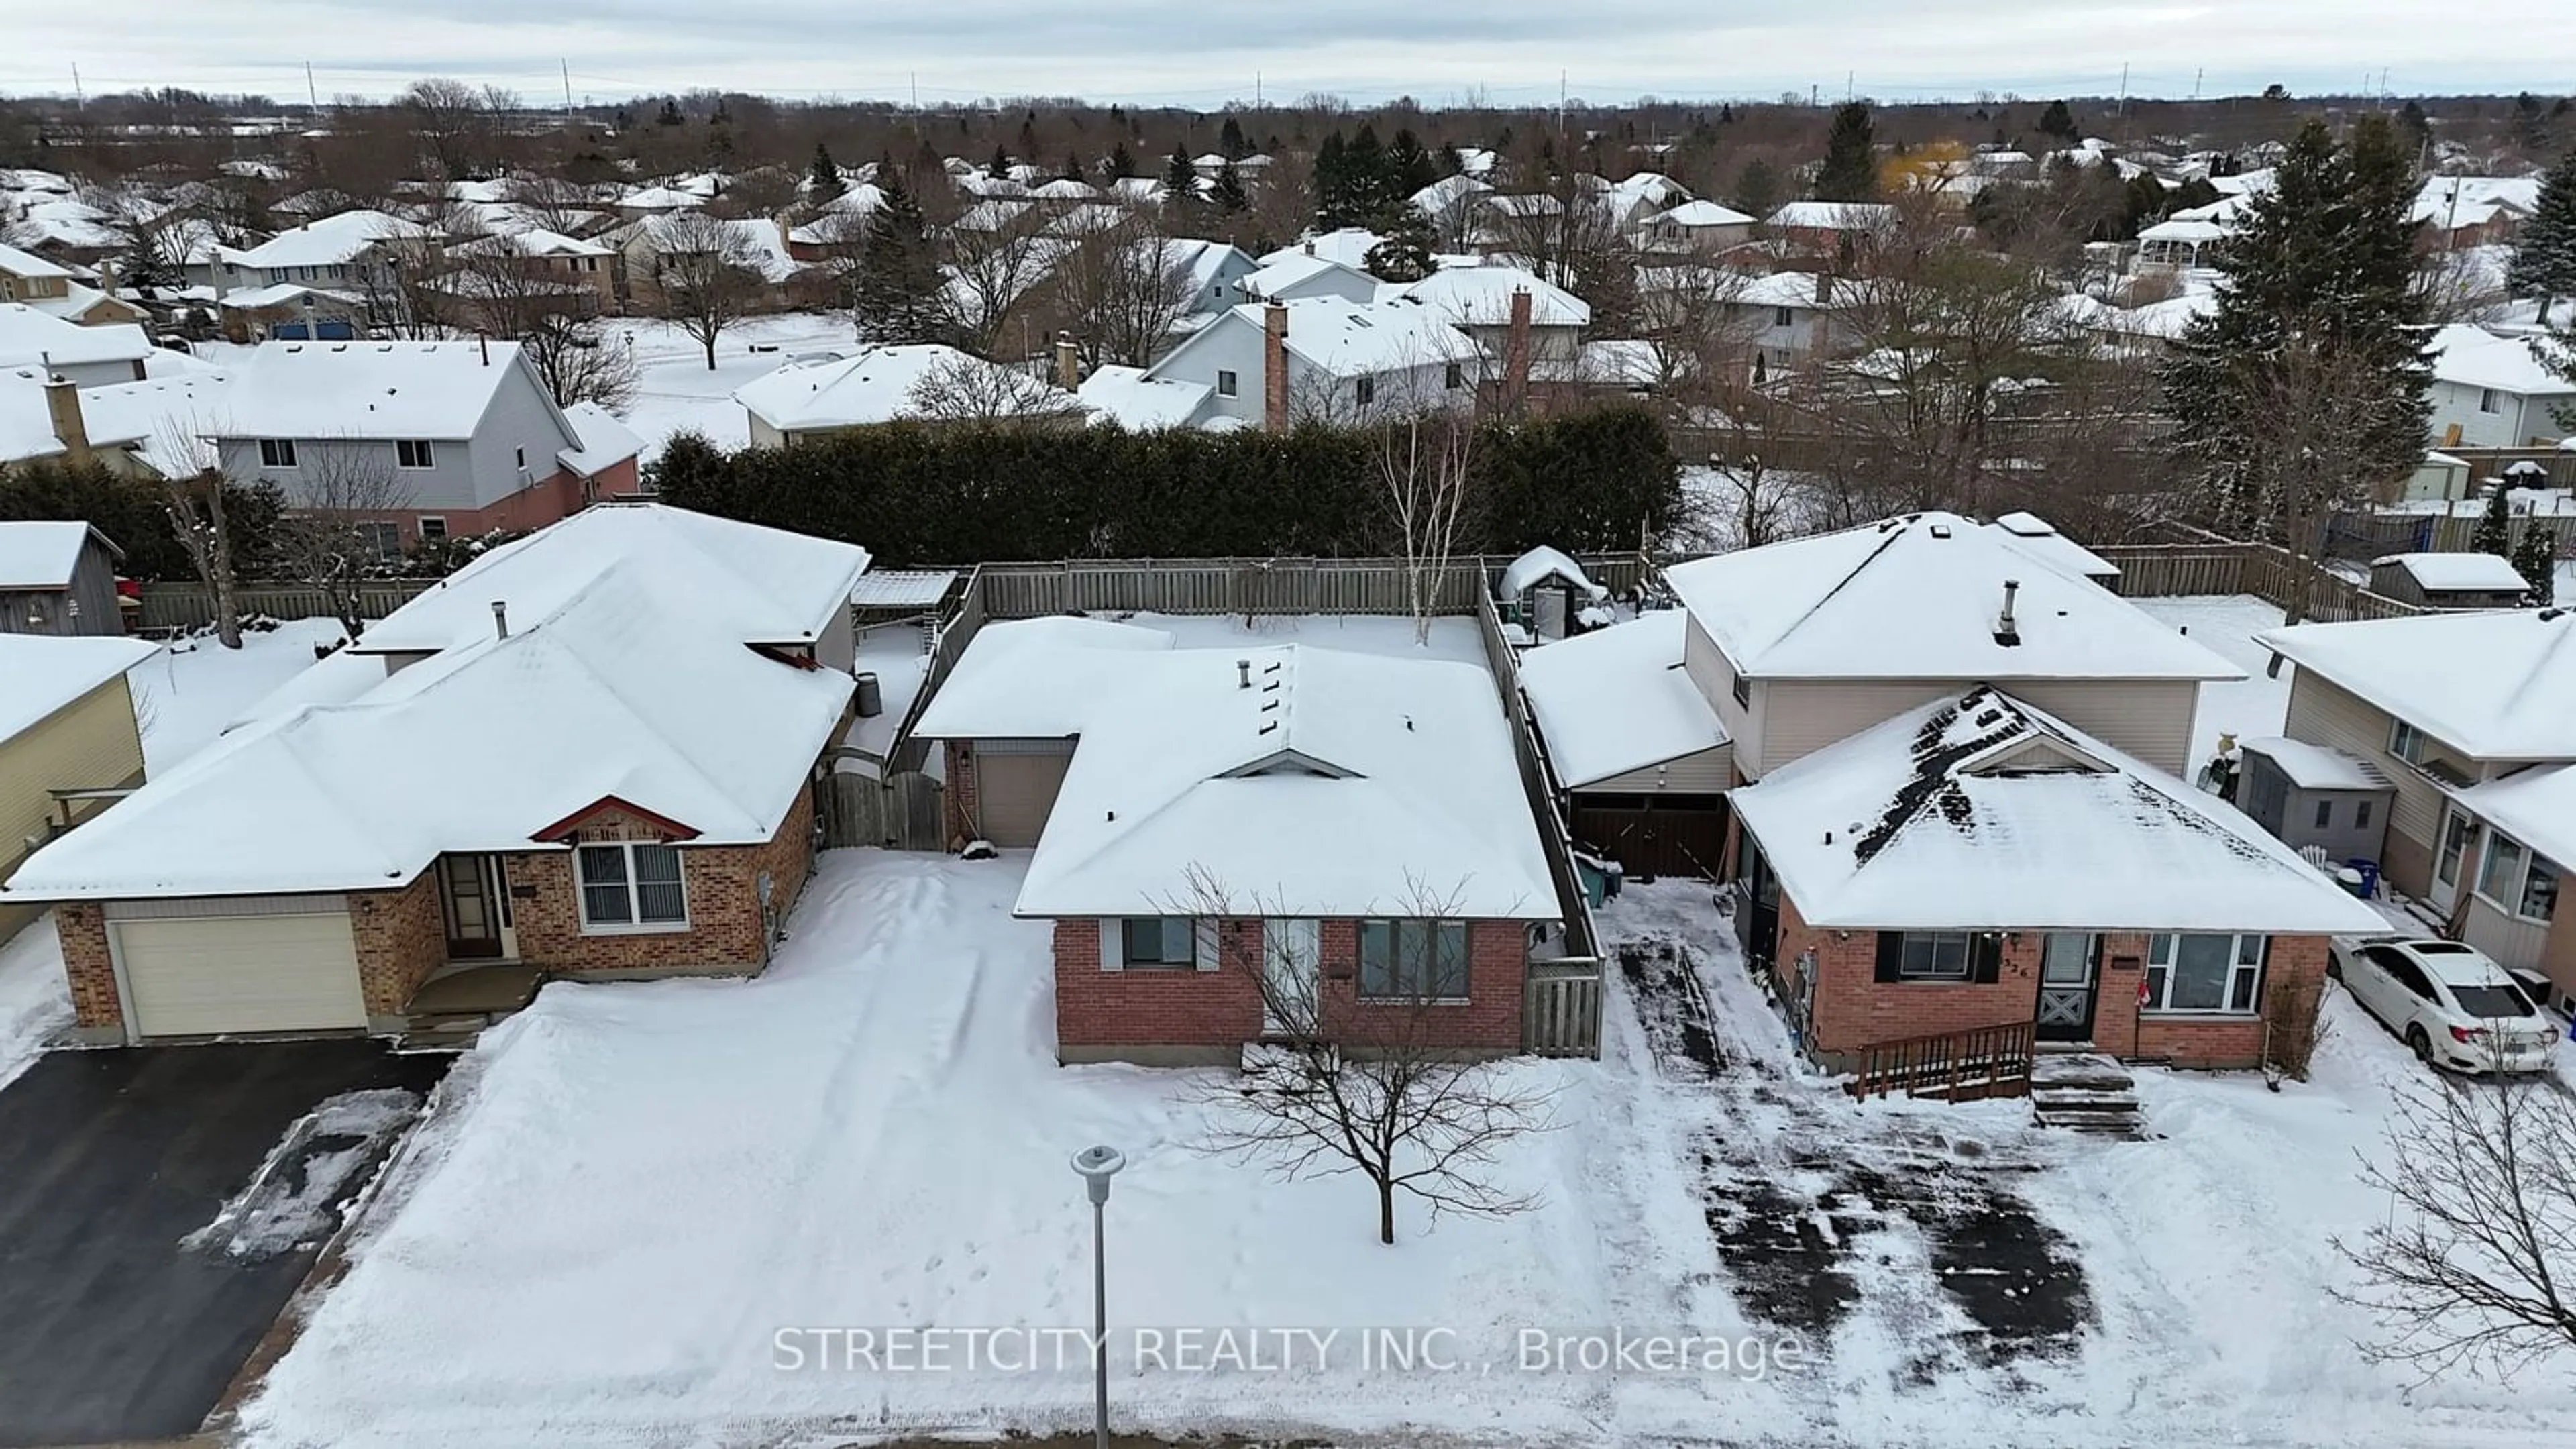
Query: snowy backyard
{"x":675,"y":390}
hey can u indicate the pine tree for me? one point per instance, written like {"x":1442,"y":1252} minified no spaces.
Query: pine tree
{"x":1757,"y":189}
{"x":2415,"y":128}
{"x":2535,"y":557}
{"x":1121,"y":164}
{"x":1072,"y":167}
{"x":901,"y":296}
{"x":2059,"y":122}
{"x":1180,"y":176}
{"x":1230,"y":143}
{"x":1850,"y":172}
{"x":1370,"y":186}
{"x":1333,"y":183}
{"x":1405,"y":254}
{"x":1226,"y":192}
{"x":1449,"y":161}
{"x":670,"y":115}
{"x":2494,"y":533}
{"x":142,"y":269}
{"x":2544,"y":259}
{"x":1000,"y":165}
{"x":823,"y":178}
{"x":1726,"y":115}
{"x":1409,"y":169}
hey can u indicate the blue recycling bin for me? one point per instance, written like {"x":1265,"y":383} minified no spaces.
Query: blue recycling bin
{"x":2369,"y":876}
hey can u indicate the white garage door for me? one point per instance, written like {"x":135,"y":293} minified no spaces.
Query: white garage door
{"x":200,"y":976}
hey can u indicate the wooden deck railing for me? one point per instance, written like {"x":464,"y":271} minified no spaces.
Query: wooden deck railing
{"x":1959,"y":1066}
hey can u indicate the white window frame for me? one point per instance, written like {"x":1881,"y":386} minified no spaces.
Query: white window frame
{"x":2406,"y":743}
{"x":1166,"y":926}
{"x":277,"y":453}
{"x":2510,"y":894}
{"x":1933,"y":968}
{"x":432,"y":526}
{"x":2489,"y":402}
{"x":427,"y":454}
{"x":2163,"y":953}
{"x":635,"y":924}
{"x":1227,"y":383}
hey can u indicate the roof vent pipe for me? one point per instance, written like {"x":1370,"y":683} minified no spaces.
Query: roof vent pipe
{"x":1243,"y":674}
{"x":2007,"y":632}
{"x":500,"y":619}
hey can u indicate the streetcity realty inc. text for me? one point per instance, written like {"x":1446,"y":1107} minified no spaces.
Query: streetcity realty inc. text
{"x":1021,"y":1349}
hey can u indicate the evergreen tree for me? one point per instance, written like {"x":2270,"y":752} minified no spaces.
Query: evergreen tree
{"x":2535,"y":557}
{"x":901,"y":295}
{"x":1449,"y":161}
{"x":2494,"y":533}
{"x":1726,"y":115}
{"x":2305,"y":385}
{"x":1029,"y":135}
{"x":141,"y":268}
{"x":1409,"y":169}
{"x":1370,"y":187}
{"x":1000,"y":165}
{"x":1757,"y":189}
{"x":1072,"y":167}
{"x":1850,"y":172}
{"x":1332,"y":183}
{"x":823,"y":178}
{"x":1121,"y":164}
{"x":2415,"y":128}
{"x":1405,"y":254}
{"x":670,"y":115}
{"x":1180,"y":176}
{"x":2544,"y":259}
{"x":1230,"y":143}
{"x":1226,"y":192}
{"x":2530,"y":122}
{"x":2059,"y":122}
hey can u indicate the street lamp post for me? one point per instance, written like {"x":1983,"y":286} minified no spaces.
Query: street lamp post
{"x":1097,"y":1165}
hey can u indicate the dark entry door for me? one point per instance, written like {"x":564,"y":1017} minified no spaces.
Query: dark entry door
{"x":2070,"y":979}
{"x":1757,"y":910}
{"x":466,"y":898}
{"x":1654,"y":835}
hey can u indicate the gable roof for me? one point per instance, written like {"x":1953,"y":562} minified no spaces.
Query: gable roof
{"x":624,"y":690}
{"x":43,"y":554}
{"x":1703,"y":213}
{"x":1482,"y":297}
{"x":1832,"y":215}
{"x":876,"y":385}
{"x":1349,"y":245}
{"x":32,"y":335}
{"x":2438,"y":572}
{"x":1334,"y":783}
{"x":1134,"y":400}
{"x":1918,"y":597}
{"x":327,"y":241}
{"x":48,"y":671}
{"x":2474,"y":357}
{"x":371,"y":390}
{"x":1299,"y":269}
{"x":1616,"y":700}
{"x":29,"y":265}
{"x":605,"y":440}
{"x":1354,"y":339}
{"x":755,"y":585}
{"x":2500,"y":685}
{"x":1931,"y":821}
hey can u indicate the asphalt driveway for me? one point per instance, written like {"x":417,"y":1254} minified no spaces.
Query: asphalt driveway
{"x":111,"y":1326}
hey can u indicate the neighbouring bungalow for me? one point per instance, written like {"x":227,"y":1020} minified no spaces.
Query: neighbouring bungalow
{"x":590,"y":754}
{"x":2449,"y":580}
{"x":1199,"y":817}
{"x":68,"y":742}
{"x":924,"y":381}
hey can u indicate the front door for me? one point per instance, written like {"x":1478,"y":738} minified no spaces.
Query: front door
{"x":468,"y":898}
{"x":2068,"y":975}
{"x":1757,"y":910}
{"x":1292,"y":955}
{"x":2450,"y":858}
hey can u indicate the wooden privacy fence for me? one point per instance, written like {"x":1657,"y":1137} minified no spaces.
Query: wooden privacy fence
{"x":1250,"y":585}
{"x":1561,"y":1009}
{"x":189,"y":606}
{"x":899,"y":812}
{"x":2162,"y":570}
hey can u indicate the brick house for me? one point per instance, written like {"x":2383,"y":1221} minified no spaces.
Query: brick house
{"x":1250,"y":842}
{"x":608,"y":775}
{"x":1956,"y":773}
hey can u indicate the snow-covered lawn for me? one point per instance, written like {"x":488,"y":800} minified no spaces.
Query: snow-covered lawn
{"x":676,"y":390}
{"x":34,"y":1001}
{"x":187,"y":693}
{"x":2227,"y":624}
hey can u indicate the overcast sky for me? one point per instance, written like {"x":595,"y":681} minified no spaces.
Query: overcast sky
{"x":1180,"y":53}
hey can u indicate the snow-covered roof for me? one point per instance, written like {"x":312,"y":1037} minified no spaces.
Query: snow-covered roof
{"x":758,"y":585}
{"x":1616,"y":700}
{"x":1832,"y":215}
{"x":2440,"y":572}
{"x":1348,"y":245}
{"x":158,"y":417}
{"x":763,"y":245}
{"x":2033,"y":535}
{"x":329,"y":241}
{"x":1918,"y":597}
{"x":1065,"y":188}
{"x":2536,"y":806}
{"x":901,"y":588}
{"x":278,"y":294}
{"x":1538,"y":566}
{"x":2166,"y":319}
{"x":2474,"y":357}
{"x":29,"y":265}
{"x":367,"y":390}
{"x":1982,"y":813}
{"x":48,"y":671}
{"x":1299,"y":268}
{"x":877,"y":385}
{"x":1447,"y":192}
{"x":29,"y":335}
{"x":1331,"y":784}
{"x":659,"y":198}
{"x":1138,"y":402}
{"x":2179,"y":230}
{"x":2317,"y":767}
{"x":1359,"y":339}
{"x":1141,"y":189}
{"x":536,"y":241}
{"x":623,"y":691}
{"x":1482,"y":297}
{"x":42,"y":554}
{"x":606,"y":441}
{"x":2500,"y":685}
{"x":1702,"y":213}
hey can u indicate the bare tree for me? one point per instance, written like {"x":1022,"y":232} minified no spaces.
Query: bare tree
{"x":1358,"y":1077}
{"x":1426,"y":477}
{"x":958,"y":388}
{"x":2471,"y":1268}
{"x":1123,"y":290}
{"x":995,"y":260}
{"x":706,"y":275}
{"x":345,"y":492}
{"x":193,"y":496}
{"x":579,"y":361}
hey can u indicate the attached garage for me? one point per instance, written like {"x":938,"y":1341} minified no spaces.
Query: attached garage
{"x":210,"y":967}
{"x":1016,"y":782}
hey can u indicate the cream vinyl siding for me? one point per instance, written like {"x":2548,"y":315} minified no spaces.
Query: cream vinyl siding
{"x":2511,"y":940}
{"x":201,"y":976}
{"x":88,"y":744}
{"x":1706,"y":665}
{"x":1704,"y":772}
{"x":2148,"y":718}
{"x":1016,"y":782}
{"x":2324,"y":713}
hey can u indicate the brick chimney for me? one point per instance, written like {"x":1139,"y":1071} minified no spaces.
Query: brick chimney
{"x":1068,"y":362}
{"x":1274,"y":367}
{"x":1516,"y":350}
{"x":63,"y":406}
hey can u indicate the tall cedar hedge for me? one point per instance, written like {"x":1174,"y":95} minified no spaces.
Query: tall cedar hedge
{"x":964,"y":493}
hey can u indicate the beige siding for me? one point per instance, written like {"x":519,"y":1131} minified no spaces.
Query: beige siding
{"x":1706,"y":771}
{"x":1706,"y":665}
{"x":2148,"y":718}
{"x":1802,"y":716}
{"x":2511,"y":940}
{"x":88,"y":744}
{"x":2324,"y":713}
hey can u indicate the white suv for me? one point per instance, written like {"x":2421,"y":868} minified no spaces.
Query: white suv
{"x":2452,"y":1005}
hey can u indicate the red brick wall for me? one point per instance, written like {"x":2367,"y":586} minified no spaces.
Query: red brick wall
{"x":1173,"y":1007}
{"x":402,"y":937}
{"x":724,"y":932}
{"x":82,"y":928}
{"x":958,"y":802}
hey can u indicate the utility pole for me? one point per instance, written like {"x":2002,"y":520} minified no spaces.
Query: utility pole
{"x":80,"y":98}
{"x":2197,"y":77}
{"x":2124,"y":90}
{"x":1560,"y":107}
{"x":310,"y":93}
{"x":567,"y":80}
{"x":1851,"y":86}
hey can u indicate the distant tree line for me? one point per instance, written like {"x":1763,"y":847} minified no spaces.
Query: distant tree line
{"x":917,"y":493}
